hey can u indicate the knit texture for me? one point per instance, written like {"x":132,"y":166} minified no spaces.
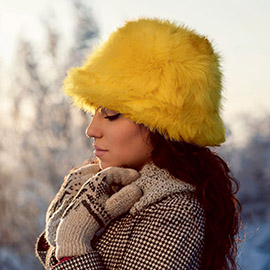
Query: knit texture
{"x":165,"y":231}
{"x":156,"y":184}
{"x":157,"y":73}
{"x":72,"y":184}
{"x":93,"y":208}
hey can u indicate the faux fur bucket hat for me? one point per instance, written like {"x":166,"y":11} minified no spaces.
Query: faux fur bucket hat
{"x":157,"y":73}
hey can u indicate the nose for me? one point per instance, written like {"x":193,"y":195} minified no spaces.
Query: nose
{"x":94,"y":128}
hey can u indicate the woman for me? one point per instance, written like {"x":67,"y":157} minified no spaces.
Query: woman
{"x":159,"y":198}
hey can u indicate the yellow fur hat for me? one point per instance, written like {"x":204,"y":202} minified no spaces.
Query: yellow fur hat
{"x":157,"y":73}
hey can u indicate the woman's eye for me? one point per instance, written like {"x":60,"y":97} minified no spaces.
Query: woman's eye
{"x":112,"y":117}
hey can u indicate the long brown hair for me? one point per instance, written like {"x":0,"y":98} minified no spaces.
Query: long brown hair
{"x":215,"y":189}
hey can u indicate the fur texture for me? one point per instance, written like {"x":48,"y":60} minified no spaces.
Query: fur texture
{"x":157,"y":73}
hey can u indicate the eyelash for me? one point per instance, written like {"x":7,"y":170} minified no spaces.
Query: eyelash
{"x":112,"y":117}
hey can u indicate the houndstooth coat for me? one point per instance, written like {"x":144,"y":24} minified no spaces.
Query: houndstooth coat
{"x":163,"y":230}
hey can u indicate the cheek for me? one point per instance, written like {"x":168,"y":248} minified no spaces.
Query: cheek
{"x":132,"y":147}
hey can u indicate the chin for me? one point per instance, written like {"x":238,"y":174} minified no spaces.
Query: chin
{"x":103,"y":165}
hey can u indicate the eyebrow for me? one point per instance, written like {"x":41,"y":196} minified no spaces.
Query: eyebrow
{"x":105,"y":111}
{"x":102,"y":110}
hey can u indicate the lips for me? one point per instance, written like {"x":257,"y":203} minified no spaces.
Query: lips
{"x":99,"y":151}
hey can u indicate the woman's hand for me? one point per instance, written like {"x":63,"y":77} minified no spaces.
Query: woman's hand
{"x":72,"y":184}
{"x":93,"y":208}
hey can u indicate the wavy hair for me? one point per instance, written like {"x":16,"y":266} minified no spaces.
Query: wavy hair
{"x":215,"y":189}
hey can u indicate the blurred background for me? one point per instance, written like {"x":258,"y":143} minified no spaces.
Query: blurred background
{"x":42,"y":136}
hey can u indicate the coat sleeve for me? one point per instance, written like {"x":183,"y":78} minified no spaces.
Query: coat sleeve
{"x":42,"y":248}
{"x":88,"y":261}
{"x":84,"y":262}
{"x":168,"y":236}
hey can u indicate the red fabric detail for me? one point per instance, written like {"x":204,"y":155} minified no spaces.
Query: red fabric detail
{"x":42,"y":244}
{"x":62,"y":260}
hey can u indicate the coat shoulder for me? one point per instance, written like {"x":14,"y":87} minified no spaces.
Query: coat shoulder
{"x":177,"y":204}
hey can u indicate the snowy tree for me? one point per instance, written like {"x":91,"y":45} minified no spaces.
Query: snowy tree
{"x":44,"y":137}
{"x":250,"y":164}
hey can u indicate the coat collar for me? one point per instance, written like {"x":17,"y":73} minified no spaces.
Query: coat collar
{"x":156,"y":184}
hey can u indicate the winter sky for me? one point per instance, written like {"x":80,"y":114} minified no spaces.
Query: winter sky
{"x":238,"y":28}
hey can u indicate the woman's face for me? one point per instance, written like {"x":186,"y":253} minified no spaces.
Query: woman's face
{"x":119,"y":142}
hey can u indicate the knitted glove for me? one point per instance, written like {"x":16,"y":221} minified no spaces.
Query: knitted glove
{"x":93,"y":208}
{"x":70,"y":187}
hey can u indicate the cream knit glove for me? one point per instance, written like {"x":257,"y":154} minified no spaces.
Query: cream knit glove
{"x":72,"y":184}
{"x":93,"y":208}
